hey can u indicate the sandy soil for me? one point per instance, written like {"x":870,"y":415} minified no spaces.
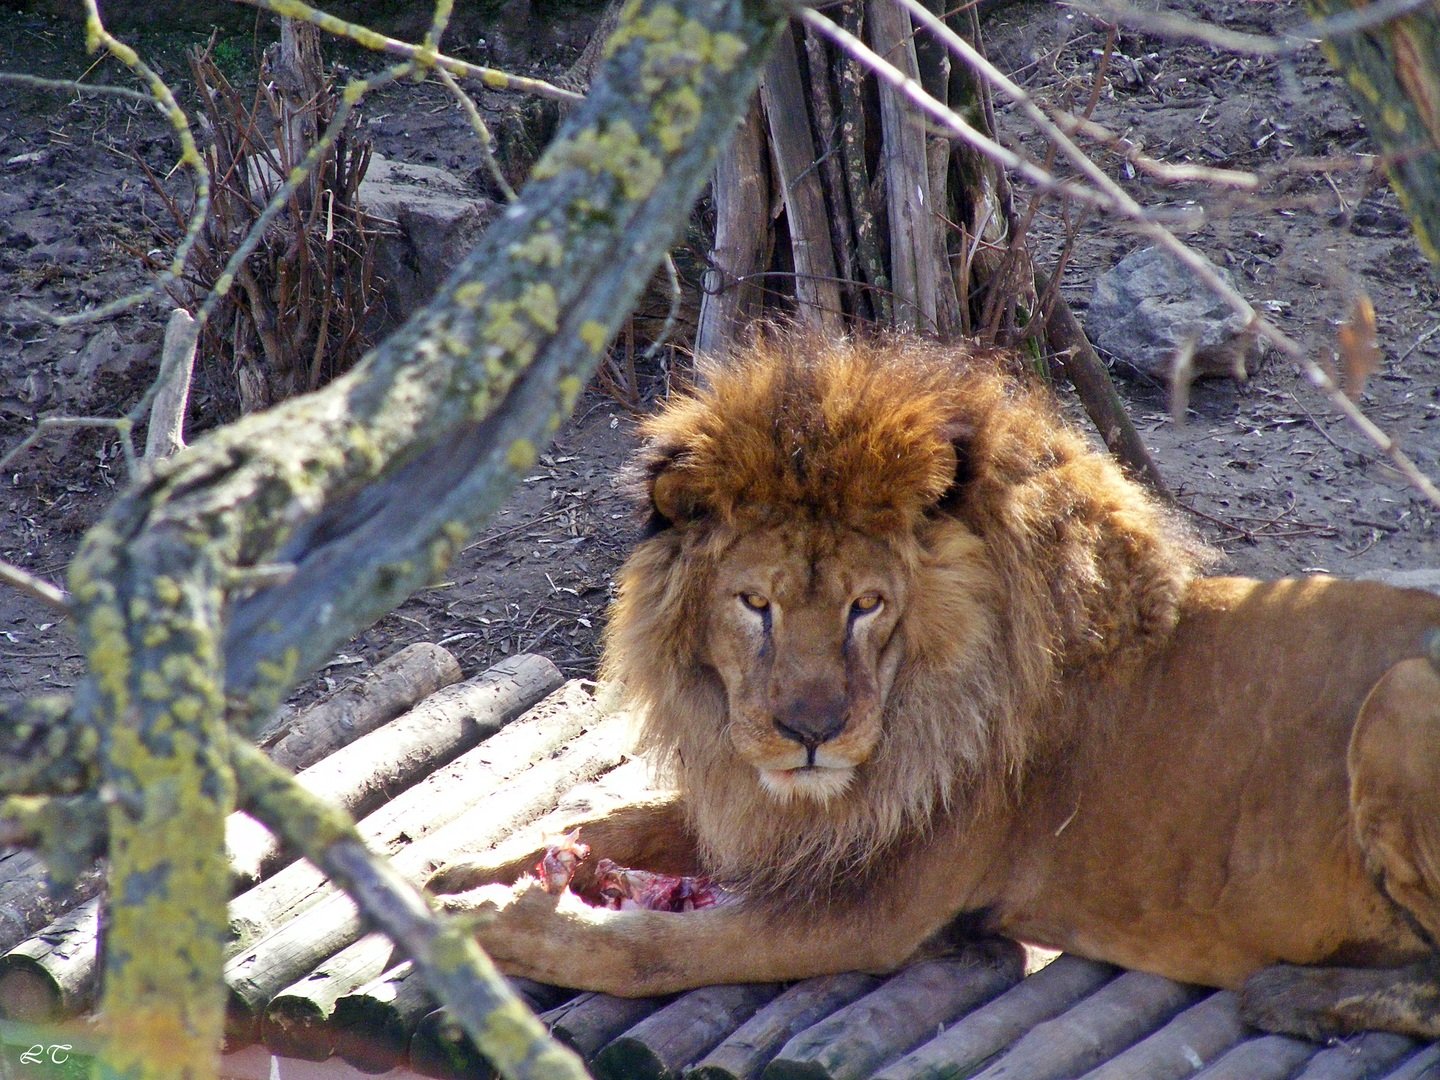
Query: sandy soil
{"x":1269,"y":475}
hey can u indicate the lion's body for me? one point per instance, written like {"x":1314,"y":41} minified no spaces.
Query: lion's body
{"x":912,"y":651}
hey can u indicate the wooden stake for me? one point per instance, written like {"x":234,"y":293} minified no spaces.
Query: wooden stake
{"x":1270,"y":1057}
{"x":26,"y":905}
{"x":52,"y":975}
{"x":744,"y":239}
{"x":817,"y":294}
{"x":1359,"y":1057}
{"x":373,"y":1025}
{"x":440,"y":1047}
{"x":296,"y":1023}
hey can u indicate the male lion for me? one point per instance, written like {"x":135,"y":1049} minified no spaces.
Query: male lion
{"x":913,"y":652}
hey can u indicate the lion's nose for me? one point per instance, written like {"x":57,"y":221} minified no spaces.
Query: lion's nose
{"x":811,"y":723}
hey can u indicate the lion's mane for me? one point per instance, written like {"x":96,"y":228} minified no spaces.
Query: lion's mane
{"x":1033,"y":560}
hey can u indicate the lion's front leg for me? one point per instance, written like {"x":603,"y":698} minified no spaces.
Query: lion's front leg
{"x":1323,"y":1003}
{"x":561,"y":939}
{"x":646,"y":832}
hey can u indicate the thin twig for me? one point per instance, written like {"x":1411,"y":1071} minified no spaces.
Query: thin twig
{"x":49,"y":595}
{"x":423,"y":56}
{"x":74,"y":86}
{"x":940,"y":113}
{"x":482,"y":133}
{"x":1187,"y":28}
{"x":121,"y":425}
{"x":1111,"y":196}
{"x":190,"y":157}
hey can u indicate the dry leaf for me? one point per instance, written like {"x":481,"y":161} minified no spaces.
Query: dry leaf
{"x":1359,"y":354}
{"x":1182,"y":374}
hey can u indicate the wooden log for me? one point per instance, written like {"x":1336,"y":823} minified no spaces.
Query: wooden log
{"x":1423,"y":1066}
{"x":27,"y":908}
{"x":26,"y":904}
{"x":749,"y":1049}
{"x":1198,"y":1035}
{"x":1099,"y":1027}
{"x":990,"y":1029}
{"x":374,"y":1024}
{"x":391,"y":687}
{"x":525,"y":799}
{"x":296,"y":1022}
{"x":1360,"y":1057}
{"x":52,"y":975}
{"x":440,"y":1047}
{"x":588,"y":1022}
{"x":259,"y":972}
{"x":892,"y":1020}
{"x":664,"y":1042}
{"x":1269,"y":1057}
{"x":369,"y":771}
{"x":429,"y":805}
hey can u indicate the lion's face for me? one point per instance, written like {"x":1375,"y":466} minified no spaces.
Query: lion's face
{"x":868,"y":569}
{"x":802,"y":628}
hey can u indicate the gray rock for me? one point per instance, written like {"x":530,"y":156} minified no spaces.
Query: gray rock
{"x":1407,"y":579}
{"x":1148,"y":307}
{"x":436,"y":223}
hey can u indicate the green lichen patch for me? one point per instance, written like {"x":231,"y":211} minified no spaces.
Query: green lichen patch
{"x":613,"y":150}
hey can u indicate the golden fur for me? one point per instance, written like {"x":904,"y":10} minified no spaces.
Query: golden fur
{"x":1079,"y":569}
{"x":911,"y":651}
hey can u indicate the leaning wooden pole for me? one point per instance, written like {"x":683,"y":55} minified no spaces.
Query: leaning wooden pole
{"x":239,"y":565}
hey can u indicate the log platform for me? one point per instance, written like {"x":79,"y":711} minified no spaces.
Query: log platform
{"x":316,"y":999}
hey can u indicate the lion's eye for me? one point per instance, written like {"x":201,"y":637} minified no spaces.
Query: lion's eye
{"x":866,"y":604}
{"x":755,"y":602}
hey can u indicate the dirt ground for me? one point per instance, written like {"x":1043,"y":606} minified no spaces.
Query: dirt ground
{"x":1267,"y":473}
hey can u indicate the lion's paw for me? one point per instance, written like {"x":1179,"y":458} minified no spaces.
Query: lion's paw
{"x":1292,"y":1000}
{"x":524,"y":929}
{"x":459,"y":877}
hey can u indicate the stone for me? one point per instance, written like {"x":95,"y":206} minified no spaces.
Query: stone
{"x":1148,"y":307}
{"x":434,"y":222}
{"x":1407,"y":579}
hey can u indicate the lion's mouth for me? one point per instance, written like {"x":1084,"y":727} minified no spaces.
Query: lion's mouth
{"x":819,"y":782}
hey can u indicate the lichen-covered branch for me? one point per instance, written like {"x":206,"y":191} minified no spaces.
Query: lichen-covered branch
{"x":442,"y":949}
{"x":362,"y":493}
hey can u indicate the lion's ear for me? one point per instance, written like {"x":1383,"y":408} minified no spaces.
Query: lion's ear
{"x":960,"y":435}
{"x":673,"y":499}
